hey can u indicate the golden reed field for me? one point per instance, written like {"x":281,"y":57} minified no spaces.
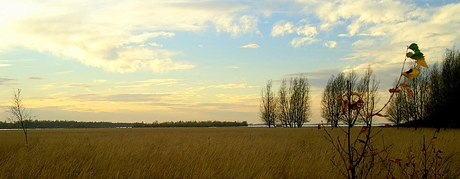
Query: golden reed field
{"x":193,"y":152}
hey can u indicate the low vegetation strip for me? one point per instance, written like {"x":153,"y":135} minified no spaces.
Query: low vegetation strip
{"x":190,"y":152}
{"x":80,"y":124}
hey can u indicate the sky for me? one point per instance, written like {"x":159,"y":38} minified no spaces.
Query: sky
{"x":146,"y":61}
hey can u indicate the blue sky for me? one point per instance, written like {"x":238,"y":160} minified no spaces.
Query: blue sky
{"x":126,"y":61}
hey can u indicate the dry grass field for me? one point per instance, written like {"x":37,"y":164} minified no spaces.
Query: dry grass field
{"x":191,"y":152}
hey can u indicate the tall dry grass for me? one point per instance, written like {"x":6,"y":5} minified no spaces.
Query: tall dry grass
{"x":189,"y":152}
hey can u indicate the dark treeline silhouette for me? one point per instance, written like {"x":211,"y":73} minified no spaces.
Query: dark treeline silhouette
{"x":192,"y":124}
{"x":78,"y":124}
{"x":433,"y":98}
{"x":63,"y":124}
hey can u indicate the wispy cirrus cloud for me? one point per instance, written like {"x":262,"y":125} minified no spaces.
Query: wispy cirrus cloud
{"x":7,"y":81}
{"x":35,"y":78}
{"x":5,"y":63}
{"x":231,"y":86}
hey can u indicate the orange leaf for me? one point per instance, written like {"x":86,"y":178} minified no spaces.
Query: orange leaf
{"x":344,"y":107}
{"x":395,"y":160}
{"x":394,"y":90}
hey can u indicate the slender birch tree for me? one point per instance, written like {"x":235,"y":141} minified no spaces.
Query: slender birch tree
{"x":18,"y":113}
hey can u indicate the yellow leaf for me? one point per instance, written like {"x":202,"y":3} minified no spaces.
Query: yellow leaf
{"x":421,"y":62}
{"x":412,"y":73}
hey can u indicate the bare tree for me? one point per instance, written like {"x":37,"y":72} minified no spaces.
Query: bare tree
{"x":420,"y":87}
{"x":350,"y":100}
{"x":268,"y":105}
{"x":18,"y":113}
{"x":410,"y":102}
{"x":283,"y":105}
{"x":331,"y":107}
{"x":397,"y":109}
{"x":299,"y":101}
{"x":367,"y":91}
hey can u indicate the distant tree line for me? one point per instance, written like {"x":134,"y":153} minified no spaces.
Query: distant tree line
{"x":192,"y":124}
{"x":63,"y":124}
{"x":79,"y":124}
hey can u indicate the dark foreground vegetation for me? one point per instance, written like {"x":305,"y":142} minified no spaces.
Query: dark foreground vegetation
{"x":76,"y":124}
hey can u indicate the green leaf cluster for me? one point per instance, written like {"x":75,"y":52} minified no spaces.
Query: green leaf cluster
{"x":417,"y":54}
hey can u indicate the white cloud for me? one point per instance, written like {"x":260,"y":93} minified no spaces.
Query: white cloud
{"x":231,"y":86}
{"x":250,"y":45}
{"x":363,"y":43}
{"x":141,"y":38}
{"x":353,"y":28}
{"x":154,"y":44}
{"x":384,"y":27}
{"x":114,"y":36}
{"x":307,"y":32}
{"x":237,"y":26}
{"x":446,"y":14}
{"x":326,"y":12}
{"x":326,"y":26}
{"x":299,"y":41}
{"x":357,"y":13}
{"x":281,"y":28}
{"x":330,"y":44}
